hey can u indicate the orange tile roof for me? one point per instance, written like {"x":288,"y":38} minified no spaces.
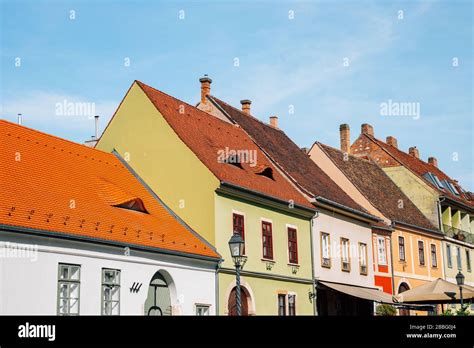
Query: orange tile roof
{"x":54,"y":185}
{"x":206,"y":135}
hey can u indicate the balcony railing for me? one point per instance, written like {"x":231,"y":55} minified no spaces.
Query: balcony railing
{"x":458,"y":234}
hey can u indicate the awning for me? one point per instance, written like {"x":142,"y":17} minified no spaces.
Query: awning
{"x":370,"y":294}
{"x":437,"y":291}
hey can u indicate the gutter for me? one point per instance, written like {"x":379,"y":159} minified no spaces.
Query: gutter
{"x":326,"y":201}
{"x":395,"y":222}
{"x":68,"y":236}
{"x":262,"y":195}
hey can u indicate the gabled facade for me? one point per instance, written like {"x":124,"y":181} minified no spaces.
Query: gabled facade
{"x":341,"y":231}
{"x":217,"y":180}
{"x":414,"y":245}
{"x":440,"y":198}
{"x":80,"y":233}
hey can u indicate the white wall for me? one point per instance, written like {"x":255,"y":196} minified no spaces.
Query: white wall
{"x":338,"y":226}
{"x":29,"y":285}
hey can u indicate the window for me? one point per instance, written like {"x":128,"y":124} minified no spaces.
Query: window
{"x":421,"y":252}
{"x":135,"y":204}
{"x":110,"y":291}
{"x":69,"y":277}
{"x":434,"y":260}
{"x":281,"y":304}
{"x":291,"y":305}
{"x":468,"y":260}
{"x":382,"y":256}
{"x":238,"y":226}
{"x":202,"y":310}
{"x":345,"y":258}
{"x":401,"y":248}
{"x":434,"y":180}
{"x":292,"y":245}
{"x":458,"y":258}
{"x":267,"y":240}
{"x":363,"y":258}
{"x":325,"y":257}
{"x":448,"y":256}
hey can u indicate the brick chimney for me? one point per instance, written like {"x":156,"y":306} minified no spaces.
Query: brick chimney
{"x":205,"y":88}
{"x":246,"y":106}
{"x":367,"y":129}
{"x":433,"y":161}
{"x":414,"y":152}
{"x":345,"y":137}
{"x":392,"y":141}
{"x":274,"y":121}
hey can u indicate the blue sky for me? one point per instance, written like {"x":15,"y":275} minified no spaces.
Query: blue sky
{"x":332,"y":62}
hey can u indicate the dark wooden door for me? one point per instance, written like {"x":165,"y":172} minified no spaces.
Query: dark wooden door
{"x":232,"y":305}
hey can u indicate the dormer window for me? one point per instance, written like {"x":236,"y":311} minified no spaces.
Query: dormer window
{"x":267,"y":171}
{"x":234,"y":160}
{"x":450,"y":187}
{"x":434,"y":180}
{"x":135,"y":204}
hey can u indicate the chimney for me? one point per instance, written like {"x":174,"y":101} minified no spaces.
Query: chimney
{"x":19,"y":119}
{"x":246,"y":106}
{"x":414,"y":152}
{"x":96,"y":126}
{"x":274,"y":121}
{"x":205,"y":88}
{"x":345,"y":135}
{"x":433,"y":161}
{"x":392,"y":141}
{"x":367,"y":129}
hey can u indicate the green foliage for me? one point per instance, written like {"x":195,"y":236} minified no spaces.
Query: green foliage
{"x":386,"y":310}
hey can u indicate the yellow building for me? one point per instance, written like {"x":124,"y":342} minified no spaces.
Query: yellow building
{"x":219,"y":182}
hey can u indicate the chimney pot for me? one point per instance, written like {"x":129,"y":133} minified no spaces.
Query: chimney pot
{"x":205,"y":88}
{"x":367,"y":129}
{"x":96,"y":126}
{"x":246,"y":106}
{"x":414,"y":152}
{"x":19,"y":119}
{"x":274,"y":121}
{"x":433,"y":161}
{"x":392,"y":141}
{"x":345,"y":138}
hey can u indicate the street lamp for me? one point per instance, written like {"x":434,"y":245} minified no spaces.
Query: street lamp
{"x":460,"y":281}
{"x":236,"y":245}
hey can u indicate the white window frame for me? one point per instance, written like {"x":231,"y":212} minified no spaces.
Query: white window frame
{"x":115,"y":285}
{"x":69,"y":282}
{"x":381,"y":255}
{"x":202,"y":306}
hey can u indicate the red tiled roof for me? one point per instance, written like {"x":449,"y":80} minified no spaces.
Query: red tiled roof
{"x":420,"y":168}
{"x":290,"y":157}
{"x":377,"y":188}
{"x":54,"y":185}
{"x":207,"y":136}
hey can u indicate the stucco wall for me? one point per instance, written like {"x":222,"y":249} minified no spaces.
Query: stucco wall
{"x":30,"y":285}
{"x":356,"y":232}
{"x":451,"y":272}
{"x":424,"y":197}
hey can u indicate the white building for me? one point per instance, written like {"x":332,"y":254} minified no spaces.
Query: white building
{"x":81,"y":234}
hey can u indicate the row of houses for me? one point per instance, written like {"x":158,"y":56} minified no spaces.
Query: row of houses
{"x":140,"y":224}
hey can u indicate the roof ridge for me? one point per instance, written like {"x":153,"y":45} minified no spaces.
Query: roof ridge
{"x":246,"y":115}
{"x":208,"y":116}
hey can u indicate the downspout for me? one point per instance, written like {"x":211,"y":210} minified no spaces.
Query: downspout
{"x":314,"y":298}
{"x":440,"y":213}
{"x":217,"y":298}
{"x":392,"y":228}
